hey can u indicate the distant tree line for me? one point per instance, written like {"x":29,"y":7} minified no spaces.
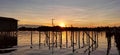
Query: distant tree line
{"x":58,"y":28}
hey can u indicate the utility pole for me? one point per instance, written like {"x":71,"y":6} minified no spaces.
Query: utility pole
{"x":53,"y":22}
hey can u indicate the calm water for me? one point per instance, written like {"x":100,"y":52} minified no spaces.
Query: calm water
{"x":24,"y":40}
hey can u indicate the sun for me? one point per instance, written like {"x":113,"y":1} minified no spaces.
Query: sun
{"x":62,"y":24}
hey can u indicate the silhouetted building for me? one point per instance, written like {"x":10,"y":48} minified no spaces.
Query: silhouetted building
{"x":8,"y":32}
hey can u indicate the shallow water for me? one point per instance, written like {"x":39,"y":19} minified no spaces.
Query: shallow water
{"x":24,"y":42}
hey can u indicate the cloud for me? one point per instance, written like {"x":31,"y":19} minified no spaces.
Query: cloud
{"x":79,"y":11}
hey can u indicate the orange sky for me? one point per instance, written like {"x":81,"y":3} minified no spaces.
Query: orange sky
{"x":81,"y":13}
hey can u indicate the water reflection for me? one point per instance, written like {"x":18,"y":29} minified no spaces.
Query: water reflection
{"x":88,"y":40}
{"x":108,"y":36}
{"x":117,"y":39}
{"x":116,"y":34}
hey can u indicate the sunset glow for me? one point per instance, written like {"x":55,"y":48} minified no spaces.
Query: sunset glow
{"x":60,"y":27}
{"x":79,"y":13}
{"x":62,"y":24}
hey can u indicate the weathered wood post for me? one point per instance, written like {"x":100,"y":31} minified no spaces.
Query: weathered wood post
{"x":66,"y":40}
{"x":97,"y":39}
{"x":93,"y":39}
{"x":89,"y":43}
{"x":72,"y":33}
{"x":83,"y":39}
{"x":49,"y":39}
{"x":52,"y":38}
{"x":52,"y":41}
{"x":79,"y":39}
{"x":71,"y":39}
{"x":31,"y":40}
{"x":76,"y":38}
{"x":39,"y":39}
{"x":87,"y":38}
{"x":61,"y":39}
{"x":56,"y":39}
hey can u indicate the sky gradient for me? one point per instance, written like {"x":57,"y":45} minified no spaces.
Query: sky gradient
{"x":71,"y":12}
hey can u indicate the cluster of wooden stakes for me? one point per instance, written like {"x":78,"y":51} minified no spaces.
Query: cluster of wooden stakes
{"x":53,"y":39}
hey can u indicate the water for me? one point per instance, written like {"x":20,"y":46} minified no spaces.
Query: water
{"x":24,"y":40}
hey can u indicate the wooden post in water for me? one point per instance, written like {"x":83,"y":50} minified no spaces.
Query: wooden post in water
{"x":49,"y":39}
{"x":52,"y":41}
{"x":97,"y":39}
{"x":76,"y":38}
{"x":83,"y":39}
{"x":93,"y":39}
{"x":66,"y":40}
{"x":88,"y":42}
{"x":45,"y":41}
{"x":87,"y":38}
{"x":79,"y":39}
{"x":56,"y":39}
{"x":31,"y":40}
{"x":71,"y":39}
{"x":39,"y":39}
{"x":94,"y":42}
{"x":72,"y":33}
{"x":61,"y":39}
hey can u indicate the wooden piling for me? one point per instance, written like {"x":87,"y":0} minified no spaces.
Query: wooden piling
{"x":49,"y":39}
{"x":66,"y":40}
{"x":52,"y":38}
{"x":83,"y":39}
{"x":60,"y":39}
{"x":79,"y":39}
{"x":97,"y":40}
{"x":52,"y":42}
{"x":39,"y":39}
{"x":31,"y":40}
{"x":72,"y":33}
{"x":89,"y":43}
{"x":87,"y":38}
{"x":92,"y":41}
{"x":71,"y":38}
{"x":56,"y":39}
{"x":76,"y":38}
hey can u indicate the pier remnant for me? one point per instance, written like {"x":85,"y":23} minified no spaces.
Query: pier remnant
{"x":8,"y":32}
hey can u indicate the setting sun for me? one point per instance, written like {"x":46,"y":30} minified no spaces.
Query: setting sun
{"x":62,"y":24}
